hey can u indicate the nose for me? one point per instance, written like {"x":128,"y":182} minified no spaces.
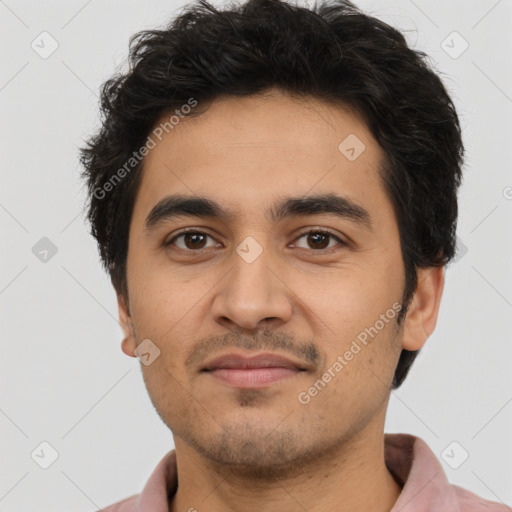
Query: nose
{"x":252,"y":295}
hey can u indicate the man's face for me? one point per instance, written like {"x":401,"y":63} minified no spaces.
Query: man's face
{"x":250,"y":284}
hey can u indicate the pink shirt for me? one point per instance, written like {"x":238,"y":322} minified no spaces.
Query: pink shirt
{"x":408,"y":458}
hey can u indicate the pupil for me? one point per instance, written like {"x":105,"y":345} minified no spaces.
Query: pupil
{"x":322,"y":236}
{"x":194,"y":237}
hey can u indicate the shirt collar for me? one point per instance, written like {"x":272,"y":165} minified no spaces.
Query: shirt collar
{"x":413,"y":464}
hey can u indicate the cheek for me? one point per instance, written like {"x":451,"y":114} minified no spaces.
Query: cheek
{"x":166,"y":290}
{"x":360,"y":312}
{"x":349,"y":300}
{"x":164,"y":318}
{"x":166,"y":390}
{"x":357,"y":375}
{"x":159,"y":298}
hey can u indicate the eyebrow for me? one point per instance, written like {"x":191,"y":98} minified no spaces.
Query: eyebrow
{"x":178,"y":205}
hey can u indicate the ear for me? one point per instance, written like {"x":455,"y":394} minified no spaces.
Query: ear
{"x":129,"y":344}
{"x":421,"y":317}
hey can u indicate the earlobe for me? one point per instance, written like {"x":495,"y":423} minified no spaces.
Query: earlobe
{"x":421,"y":317}
{"x":129,"y":344}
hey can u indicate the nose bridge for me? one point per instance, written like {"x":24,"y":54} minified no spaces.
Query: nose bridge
{"x":251,"y":269}
{"x":252,"y":293}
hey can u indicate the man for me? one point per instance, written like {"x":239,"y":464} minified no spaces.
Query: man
{"x":274,"y":194}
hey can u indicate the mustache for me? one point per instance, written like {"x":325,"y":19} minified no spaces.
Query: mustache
{"x":262,"y":340}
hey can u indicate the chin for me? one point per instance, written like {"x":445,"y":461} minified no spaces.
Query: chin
{"x":254,"y":451}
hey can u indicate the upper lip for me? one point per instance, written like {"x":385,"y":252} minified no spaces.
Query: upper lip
{"x":263,"y":360}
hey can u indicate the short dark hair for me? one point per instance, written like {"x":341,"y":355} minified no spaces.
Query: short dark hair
{"x":331,"y":52}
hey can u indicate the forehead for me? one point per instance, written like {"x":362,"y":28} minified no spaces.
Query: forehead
{"x":245,"y":152}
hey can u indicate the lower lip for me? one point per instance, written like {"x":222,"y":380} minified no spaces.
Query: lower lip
{"x":252,"y":377}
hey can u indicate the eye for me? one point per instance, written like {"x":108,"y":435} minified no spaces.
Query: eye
{"x":319,"y":240}
{"x":191,"y":240}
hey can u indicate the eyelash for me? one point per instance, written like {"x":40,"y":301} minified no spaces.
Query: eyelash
{"x":310,"y":231}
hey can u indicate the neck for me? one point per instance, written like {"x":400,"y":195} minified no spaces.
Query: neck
{"x":352,"y":477}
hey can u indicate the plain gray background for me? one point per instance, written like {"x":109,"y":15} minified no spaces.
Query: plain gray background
{"x":63,"y":377}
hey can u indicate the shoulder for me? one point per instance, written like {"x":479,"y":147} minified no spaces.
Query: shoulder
{"x":126,"y":505}
{"x":470,"y":502}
